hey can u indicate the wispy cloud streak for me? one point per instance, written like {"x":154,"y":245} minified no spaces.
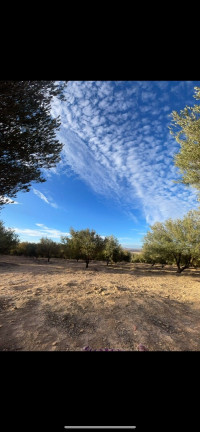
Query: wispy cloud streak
{"x":41,"y":231}
{"x":44,"y":198}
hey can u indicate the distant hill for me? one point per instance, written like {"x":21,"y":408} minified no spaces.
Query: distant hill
{"x":134,"y":250}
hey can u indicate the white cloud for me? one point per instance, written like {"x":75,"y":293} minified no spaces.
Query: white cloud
{"x":40,"y":195}
{"x":89,"y":165}
{"x":44,"y":198}
{"x":27,"y":232}
{"x":41,"y":225}
{"x":43,"y":231}
{"x":117,"y":140}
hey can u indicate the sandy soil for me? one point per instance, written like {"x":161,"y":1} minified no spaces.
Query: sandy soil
{"x":61,"y":306}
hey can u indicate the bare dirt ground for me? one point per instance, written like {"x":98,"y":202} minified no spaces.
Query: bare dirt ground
{"x":61,"y":306}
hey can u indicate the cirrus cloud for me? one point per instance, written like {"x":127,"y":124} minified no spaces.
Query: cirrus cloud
{"x":116,"y":139}
{"x":44,"y":198}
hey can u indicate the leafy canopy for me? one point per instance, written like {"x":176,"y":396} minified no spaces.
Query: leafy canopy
{"x":174,"y":240}
{"x":8,"y":239}
{"x":185,"y":128}
{"x":85,"y":244}
{"x":47,"y":248}
{"x":27,"y":133}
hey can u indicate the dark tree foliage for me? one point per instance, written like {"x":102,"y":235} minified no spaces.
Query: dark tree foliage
{"x":8,"y":239}
{"x":27,"y":133}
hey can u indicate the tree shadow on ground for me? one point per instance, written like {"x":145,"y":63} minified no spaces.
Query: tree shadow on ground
{"x":57,"y":265}
{"x":148,"y":270}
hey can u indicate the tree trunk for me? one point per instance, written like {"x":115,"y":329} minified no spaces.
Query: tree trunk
{"x":87,"y":262}
{"x":48,"y":259}
{"x":180,"y":269}
{"x":178,"y":259}
{"x":187,"y":265}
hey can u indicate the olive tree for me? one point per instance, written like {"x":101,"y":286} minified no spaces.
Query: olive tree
{"x":111,"y":250}
{"x":26,"y":249}
{"x":27,"y":133}
{"x":174,"y":240}
{"x":91,"y":244}
{"x":85,"y":244}
{"x":47,"y":248}
{"x":8,"y":239}
{"x":185,"y":127}
{"x":72,"y":245}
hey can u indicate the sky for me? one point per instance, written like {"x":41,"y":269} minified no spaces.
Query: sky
{"x":116,"y":173}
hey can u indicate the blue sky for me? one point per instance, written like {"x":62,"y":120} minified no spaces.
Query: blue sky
{"x":116,"y":171}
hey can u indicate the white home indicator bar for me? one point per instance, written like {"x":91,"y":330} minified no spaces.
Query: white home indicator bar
{"x":99,"y":427}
